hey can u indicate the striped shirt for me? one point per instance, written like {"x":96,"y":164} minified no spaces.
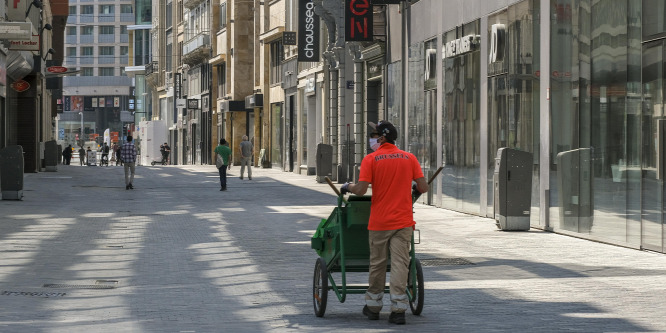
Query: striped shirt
{"x":128,"y":152}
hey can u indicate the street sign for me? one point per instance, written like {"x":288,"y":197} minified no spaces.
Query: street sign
{"x":56,"y":69}
{"x":20,"y":85}
{"x":192,"y":103}
{"x":181,"y":102}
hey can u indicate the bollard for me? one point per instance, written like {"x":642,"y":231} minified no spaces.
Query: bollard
{"x":51,"y":155}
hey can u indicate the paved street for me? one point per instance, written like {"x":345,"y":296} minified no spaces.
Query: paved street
{"x":82,"y":254}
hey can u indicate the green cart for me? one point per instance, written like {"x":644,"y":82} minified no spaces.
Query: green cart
{"x":341,"y":241}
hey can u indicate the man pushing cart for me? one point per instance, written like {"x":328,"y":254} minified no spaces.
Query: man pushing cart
{"x":359,"y":238}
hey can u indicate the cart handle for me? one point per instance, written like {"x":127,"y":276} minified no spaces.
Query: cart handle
{"x":435,"y":174}
{"x":330,"y":183}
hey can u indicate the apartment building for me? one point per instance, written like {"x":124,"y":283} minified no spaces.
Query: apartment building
{"x":97,"y":45}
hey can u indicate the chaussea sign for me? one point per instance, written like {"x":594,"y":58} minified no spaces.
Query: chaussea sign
{"x":308,"y":31}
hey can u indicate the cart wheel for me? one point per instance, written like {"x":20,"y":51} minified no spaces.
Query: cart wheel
{"x":416,"y":296}
{"x":320,"y":287}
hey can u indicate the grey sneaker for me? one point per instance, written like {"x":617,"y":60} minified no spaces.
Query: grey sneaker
{"x":371,"y":315}
{"x":397,"y":318}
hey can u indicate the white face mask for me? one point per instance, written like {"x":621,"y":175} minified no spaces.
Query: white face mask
{"x":374,"y":144}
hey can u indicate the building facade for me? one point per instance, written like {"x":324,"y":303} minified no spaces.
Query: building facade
{"x":99,"y":96}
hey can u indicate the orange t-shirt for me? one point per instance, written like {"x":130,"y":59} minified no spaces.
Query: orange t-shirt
{"x":390,"y":171}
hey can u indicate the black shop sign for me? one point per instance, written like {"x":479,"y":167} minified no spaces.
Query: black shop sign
{"x":358,"y":20}
{"x":308,"y":32}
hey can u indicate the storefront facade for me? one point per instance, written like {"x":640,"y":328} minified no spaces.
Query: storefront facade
{"x":577,"y":83}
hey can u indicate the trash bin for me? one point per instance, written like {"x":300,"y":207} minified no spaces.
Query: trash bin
{"x":324,"y":162}
{"x":51,"y":155}
{"x":512,"y":183}
{"x":11,"y":172}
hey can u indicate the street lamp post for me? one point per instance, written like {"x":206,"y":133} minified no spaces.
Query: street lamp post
{"x":81,"y":133}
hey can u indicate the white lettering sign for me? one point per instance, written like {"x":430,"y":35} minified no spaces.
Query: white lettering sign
{"x":497,"y":42}
{"x":459,"y":46}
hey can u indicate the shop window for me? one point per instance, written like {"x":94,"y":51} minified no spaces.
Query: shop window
{"x":277,"y":53}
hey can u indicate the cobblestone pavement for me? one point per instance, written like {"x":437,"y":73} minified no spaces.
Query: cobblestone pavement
{"x":82,"y":254}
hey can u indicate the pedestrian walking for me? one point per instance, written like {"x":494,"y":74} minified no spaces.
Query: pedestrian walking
{"x":90,"y":158}
{"x":82,"y":155}
{"x":128,"y":155}
{"x":391,"y":224}
{"x":105,"y":155}
{"x":67,"y":154}
{"x":245,"y":149}
{"x":119,"y":160}
{"x":167,"y":151}
{"x":222,"y":153}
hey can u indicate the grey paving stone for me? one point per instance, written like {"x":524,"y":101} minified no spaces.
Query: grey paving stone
{"x":189,"y":258}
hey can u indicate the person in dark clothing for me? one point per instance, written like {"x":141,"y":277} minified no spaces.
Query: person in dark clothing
{"x":82,"y":156}
{"x":67,"y":154}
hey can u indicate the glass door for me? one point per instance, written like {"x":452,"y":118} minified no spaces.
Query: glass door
{"x":653,"y":173}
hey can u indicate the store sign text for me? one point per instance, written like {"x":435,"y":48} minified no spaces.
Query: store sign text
{"x":308,"y":32}
{"x":459,"y":46}
{"x":358,"y":21}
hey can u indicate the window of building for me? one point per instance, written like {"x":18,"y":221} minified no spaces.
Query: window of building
{"x":86,"y":71}
{"x":87,"y":51}
{"x":124,"y":50}
{"x":277,"y":53}
{"x":72,"y":10}
{"x":106,"y":9}
{"x":85,"y":30}
{"x":169,"y":48}
{"x":106,"y":50}
{"x":123,"y":30}
{"x":106,"y":71}
{"x":223,"y":15}
{"x":222,"y":80}
{"x":71,"y":31}
{"x":71,"y":51}
{"x":169,"y":13}
{"x":87,"y":9}
{"x":106,"y":30}
{"x":126,"y":9}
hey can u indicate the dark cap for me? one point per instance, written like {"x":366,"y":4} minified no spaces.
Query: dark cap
{"x":223,"y":141}
{"x":387,"y":130}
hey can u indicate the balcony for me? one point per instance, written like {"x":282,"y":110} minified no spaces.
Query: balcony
{"x":106,"y":38}
{"x":106,"y":18}
{"x":106,"y":59}
{"x":70,"y":60}
{"x":197,"y":49}
{"x":124,"y":38}
{"x":189,"y":4}
{"x":87,"y":39}
{"x":127,"y":17}
{"x":71,"y":19}
{"x":86,"y":18}
{"x":86,"y":60}
{"x":70,"y":39}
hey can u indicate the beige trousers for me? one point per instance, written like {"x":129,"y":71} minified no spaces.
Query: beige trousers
{"x":399,"y":243}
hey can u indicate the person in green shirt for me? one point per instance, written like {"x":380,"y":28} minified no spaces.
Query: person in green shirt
{"x":224,"y":152}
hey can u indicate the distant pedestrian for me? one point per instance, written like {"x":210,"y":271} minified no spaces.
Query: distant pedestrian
{"x":167,"y":152}
{"x":105,"y":155}
{"x":246,"y":157}
{"x":128,"y":154}
{"x":222,"y":153}
{"x":116,"y":152}
{"x":82,"y":156}
{"x":88,"y":155}
{"x":67,"y":154}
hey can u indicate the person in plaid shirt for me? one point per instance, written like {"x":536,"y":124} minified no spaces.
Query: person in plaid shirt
{"x":128,"y":155}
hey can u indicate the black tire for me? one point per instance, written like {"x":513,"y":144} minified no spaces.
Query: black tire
{"x":416,"y":296}
{"x":320,"y":287}
{"x":152,"y":163}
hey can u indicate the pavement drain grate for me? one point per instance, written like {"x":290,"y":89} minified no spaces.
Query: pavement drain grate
{"x":78,"y":286}
{"x":31,"y":294}
{"x":115,"y":246}
{"x":444,"y":262}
